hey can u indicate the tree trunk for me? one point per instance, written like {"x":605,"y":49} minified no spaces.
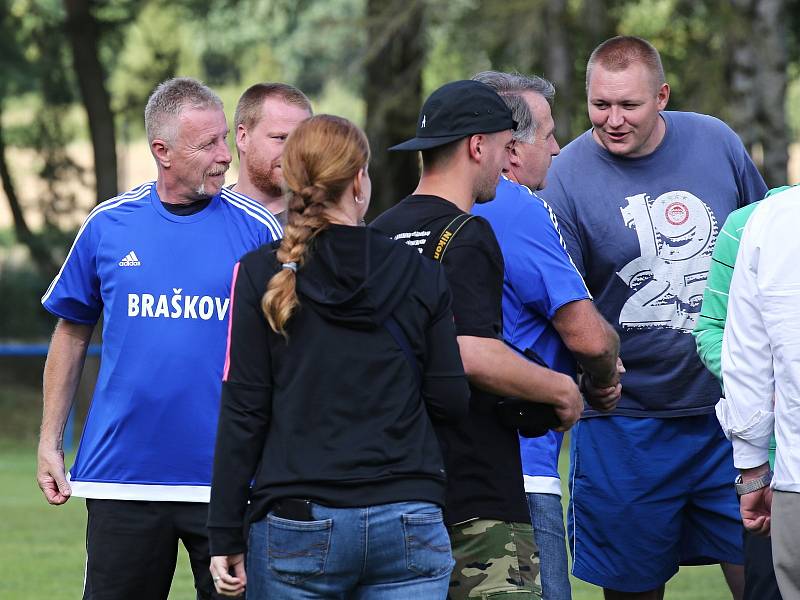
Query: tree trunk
{"x":597,"y":22}
{"x":744,"y":62}
{"x":559,"y":69}
{"x":38,"y":251}
{"x":575,"y":36}
{"x":84,"y":33}
{"x":771,"y":33}
{"x":393,"y":94}
{"x":758,"y":84}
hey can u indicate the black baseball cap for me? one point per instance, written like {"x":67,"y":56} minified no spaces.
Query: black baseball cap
{"x":456,"y":110}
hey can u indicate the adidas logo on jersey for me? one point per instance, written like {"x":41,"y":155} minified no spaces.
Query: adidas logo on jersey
{"x":130,"y":260}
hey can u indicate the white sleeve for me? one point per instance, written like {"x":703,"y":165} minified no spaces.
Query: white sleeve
{"x":746,"y":412}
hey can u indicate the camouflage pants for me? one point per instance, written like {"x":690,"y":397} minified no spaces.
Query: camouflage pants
{"x":494,"y":560}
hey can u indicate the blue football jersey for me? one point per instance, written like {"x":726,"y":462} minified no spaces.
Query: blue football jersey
{"x":539,"y":279}
{"x":162,"y":285}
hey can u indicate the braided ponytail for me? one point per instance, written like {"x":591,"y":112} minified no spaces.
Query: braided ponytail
{"x":320,"y":159}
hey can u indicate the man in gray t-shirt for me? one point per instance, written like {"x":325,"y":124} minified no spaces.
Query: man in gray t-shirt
{"x":639,"y":199}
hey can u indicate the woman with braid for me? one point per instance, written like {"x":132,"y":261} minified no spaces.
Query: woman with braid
{"x":341,"y":354}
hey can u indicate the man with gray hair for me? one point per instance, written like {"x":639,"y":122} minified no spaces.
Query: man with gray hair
{"x":548,"y":313}
{"x":155,"y":263}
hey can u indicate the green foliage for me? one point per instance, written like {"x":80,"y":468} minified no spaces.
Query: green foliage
{"x":14,"y":72}
{"x":41,"y":63}
{"x":113,"y":17}
{"x":452,"y":53}
{"x":7,"y":238}
{"x":322,"y":47}
{"x":155,"y":48}
{"x":252,"y":41}
{"x":337,"y":99}
{"x":461,"y":43}
{"x":21,"y":314}
{"x":329,"y":40}
{"x":40,"y":32}
{"x":691,"y":38}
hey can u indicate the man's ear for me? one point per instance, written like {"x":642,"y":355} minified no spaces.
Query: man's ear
{"x":663,"y":96}
{"x":514,"y":159}
{"x":161,"y":151}
{"x":475,"y":146}
{"x":241,"y":137}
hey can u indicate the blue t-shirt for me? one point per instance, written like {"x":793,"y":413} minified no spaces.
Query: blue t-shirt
{"x":539,"y":279}
{"x":641,"y":231}
{"x":162,"y":285}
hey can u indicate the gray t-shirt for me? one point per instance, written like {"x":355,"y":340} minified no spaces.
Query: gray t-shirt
{"x":641,"y":232}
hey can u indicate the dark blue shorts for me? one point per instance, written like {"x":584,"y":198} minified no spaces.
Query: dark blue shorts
{"x":648,"y":495}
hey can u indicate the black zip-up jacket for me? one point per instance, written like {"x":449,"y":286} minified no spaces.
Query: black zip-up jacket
{"x":335,"y":413}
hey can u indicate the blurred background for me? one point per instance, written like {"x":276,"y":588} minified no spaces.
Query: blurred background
{"x":75,"y":76}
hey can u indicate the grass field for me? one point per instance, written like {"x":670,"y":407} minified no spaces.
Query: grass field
{"x":42,"y":547}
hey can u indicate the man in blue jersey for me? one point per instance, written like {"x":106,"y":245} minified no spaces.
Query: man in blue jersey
{"x":156,"y":264}
{"x":265,"y":116}
{"x":546,"y":306}
{"x":639,"y":199}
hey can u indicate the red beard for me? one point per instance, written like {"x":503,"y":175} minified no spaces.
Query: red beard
{"x":266,"y":180}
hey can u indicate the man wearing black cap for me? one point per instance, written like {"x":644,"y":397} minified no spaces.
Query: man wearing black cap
{"x":463,"y":131}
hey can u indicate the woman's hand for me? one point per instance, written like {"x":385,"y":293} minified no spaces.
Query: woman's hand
{"x":227,"y":584}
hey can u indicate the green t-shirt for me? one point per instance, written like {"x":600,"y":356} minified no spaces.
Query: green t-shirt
{"x":711,"y":323}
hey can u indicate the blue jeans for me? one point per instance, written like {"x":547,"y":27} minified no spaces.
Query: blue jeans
{"x":393,"y":551}
{"x":547,"y":519}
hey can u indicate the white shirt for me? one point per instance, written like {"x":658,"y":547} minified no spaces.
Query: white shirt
{"x":761,"y":344}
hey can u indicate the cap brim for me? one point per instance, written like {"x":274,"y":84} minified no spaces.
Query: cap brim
{"x":419,"y":143}
{"x":425,"y":143}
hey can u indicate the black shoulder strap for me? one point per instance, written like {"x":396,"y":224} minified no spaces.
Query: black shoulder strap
{"x":436,"y":247}
{"x":397,"y":333}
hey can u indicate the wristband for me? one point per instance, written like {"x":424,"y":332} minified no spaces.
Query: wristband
{"x":753,"y":485}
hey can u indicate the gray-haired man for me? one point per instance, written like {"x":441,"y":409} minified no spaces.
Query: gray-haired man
{"x":547,"y":309}
{"x":156,"y":264}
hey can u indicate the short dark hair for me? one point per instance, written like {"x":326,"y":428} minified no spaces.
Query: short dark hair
{"x":248,"y":110}
{"x":433,"y":158}
{"x":618,"y":53}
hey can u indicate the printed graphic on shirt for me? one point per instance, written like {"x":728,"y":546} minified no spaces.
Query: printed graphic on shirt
{"x":177,"y":306}
{"x":130,"y":260}
{"x":677,"y":232}
{"x":415,"y":239}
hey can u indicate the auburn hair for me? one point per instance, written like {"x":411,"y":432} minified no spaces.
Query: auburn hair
{"x":322,"y":156}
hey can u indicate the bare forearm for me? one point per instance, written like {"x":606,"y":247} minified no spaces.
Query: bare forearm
{"x":600,"y":362}
{"x":590,"y":338}
{"x":494,"y":367}
{"x":62,"y":373}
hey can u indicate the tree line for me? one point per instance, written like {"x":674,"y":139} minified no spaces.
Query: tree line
{"x":736,"y":59}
